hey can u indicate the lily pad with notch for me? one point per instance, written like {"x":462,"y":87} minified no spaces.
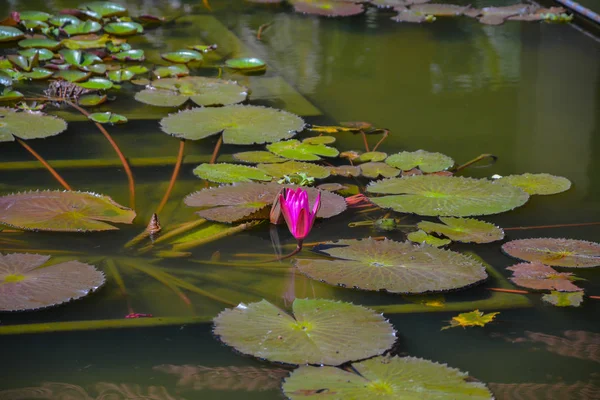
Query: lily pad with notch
{"x":302,"y":151}
{"x":108,"y":118}
{"x":123,"y":28}
{"x":538,"y":183}
{"x":374,"y":156}
{"x":424,"y":238}
{"x":102,"y":9}
{"x":395,"y":267}
{"x":120,"y":75}
{"x":259,"y":156}
{"x":42,"y":54}
{"x":328,"y":8}
{"x":230,"y":173}
{"x":78,"y":58}
{"x":171,"y":71}
{"x":129,"y":55}
{"x":464,"y":230}
{"x":538,"y":276}
{"x":279,"y":170}
{"x":563,"y":299}
{"x":183,"y":56}
{"x":555,"y":252}
{"x":10,"y":34}
{"x":81,"y":28}
{"x":426,"y":161}
{"x":28,"y":125}
{"x":374,"y":170}
{"x":305,"y":337}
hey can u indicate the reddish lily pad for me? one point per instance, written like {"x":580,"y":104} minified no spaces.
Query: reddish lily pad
{"x":555,"y":252}
{"x":62,"y":211}
{"x":538,"y":276}
{"x":26,"y":284}
{"x":464,"y":230}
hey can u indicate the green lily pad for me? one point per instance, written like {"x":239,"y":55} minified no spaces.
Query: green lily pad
{"x":61,"y":20}
{"x":265,"y":331}
{"x":91,"y":99}
{"x":173,"y":92}
{"x":256,"y":157}
{"x":42,"y":54}
{"x":434,"y":195}
{"x":7,"y":95}
{"x":102,"y":9}
{"x":345,"y":170}
{"x":137,"y":69}
{"x":34,"y":16}
{"x":72,"y":75}
{"x":555,"y":252}
{"x":28,"y":125}
{"x":422,"y":237}
{"x":248,"y":64}
{"x":439,"y":10}
{"x":562,"y":299}
{"x":296,"y":150}
{"x":203,"y":48}
{"x":26,"y":284}
{"x":9,"y":34}
{"x":328,"y":8}
{"x":376,"y":169}
{"x":406,"y":378}
{"x":374,"y":156}
{"x":129,"y":55}
{"x":538,"y":183}
{"x":24,"y":63}
{"x":6,"y":79}
{"x":473,"y":318}
{"x":91,"y":41}
{"x":171,"y":71}
{"x":40,"y":43}
{"x":464,"y":230}
{"x":82,"y":28}
{"x":31,"y":25}
{"x":538,"y":276}
{"x":230,"y":173}
{"x":182,"y":56}
{"x":79,"y":59}
{"x":319,"y":140}
{"x":233,"y":203}
{"x":123,"y":28}
{"x":238,"y":124}
{"x":38,"y":73}
{"x":120,"y":75}
{"x":108,"y":118}
{"x":96,"y":84}
{"x":62,"y":211}
{"x":279,"y":170}
{"x":426,"y":161}
{"x":370,"y":264}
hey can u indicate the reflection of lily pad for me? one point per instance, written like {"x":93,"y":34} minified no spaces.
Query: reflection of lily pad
{"x":406,"y":378}
{"x":538,"y":183}
{"x":426,"y":161}
{"x":319,"y":331}
{"x":561,"y":299}
{"x":393,"y":266}
{"x":240,"y":201}
{"x":62,"y":211}
{"x":230,"y":173}
{"x":296,"y":150}
{"x":28,"y":125}
{"x":260,"y":156}
{"x":376,"y":169}
{"x":473,"y":318}
{"x":464,"y":230}
{"x":555,"y":252}
{"x":447,"y":196}
{"x":26,"y":285}
{"x":173,"y":92}
{"x":538,"y":276}
{"x":422,"y":237}
{"x":327,"y":8}
{"x":239,"y":124}
{"x":278,"y":170}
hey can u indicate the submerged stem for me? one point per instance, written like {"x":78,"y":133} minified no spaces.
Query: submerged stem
{"x":215,"y":153}
{"x":45,"y":164}
{"x":178,"y":163}
{"x":476,"y":160}
{"x":518,"y":228}
{"x":386,"y":133}
{"x":366,"y":143}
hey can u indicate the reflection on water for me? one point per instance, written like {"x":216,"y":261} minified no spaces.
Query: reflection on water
{"x":101,"y":391}
{"x":539,"y":391}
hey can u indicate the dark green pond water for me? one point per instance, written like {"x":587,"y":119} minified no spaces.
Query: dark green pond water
{"x":527,"y":92}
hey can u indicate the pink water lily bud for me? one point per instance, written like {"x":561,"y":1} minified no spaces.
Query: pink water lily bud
{"x":297,"y":211}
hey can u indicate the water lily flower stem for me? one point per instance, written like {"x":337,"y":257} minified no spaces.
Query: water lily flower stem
{"x":45,"y":164}
{"x":476,"y":160}
{"x":178,"y":163}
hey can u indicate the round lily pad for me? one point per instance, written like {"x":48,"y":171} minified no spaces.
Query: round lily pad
{"x":255,"y":157}
{"x":464,"y":230}
{"x":296,"y":150}
{"x":82,"y":28}
{"x":108,"y":118}
{"x":555,"y":252}
{"x":129,"y":55}
{"x":120,"y":75}
{"x":91,"y":99}
{"x":345,"y":170}
{"x":538,"y":183}
{"x":230,"y":173}
{"x":171,"y":71}
{"x":182,"y":56}
{"x":422,"y":237}
{"x":38,"y":73}
{"x":123,"y":28}
{"x":278,"y":170}
{"x":319,"y":331}
{"x":327,"y":8}
{"x":435,"y":195}
{"x":538,"y":276}
{"x":9,"y":34}
{"x":28,"y":125}
{"x":376,"y":169}
{"x":370,"y":264}
{"x":426,"y":161}
{"x":103,"y":9}
{"x":319,"y":140}
{"x":39,"y":43}
{"x":25,"y":284}
{"x":406,"y":378}
{"x":61,"y":20}
{"x":239,"y":124}
{"x":173,"y":92}
{"x":61,"y":211}
{"x":248,"y":63}
{"x":96,"y":84}
{"x":375,"y":156}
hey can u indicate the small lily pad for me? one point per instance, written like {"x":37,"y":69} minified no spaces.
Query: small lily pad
{"x":319,"y":140}
{"x":108,"y":118}
{"x":123,"y":28}
{"x":102,"y":9}
{"x":328,"y":8}
{"x":79,"y":59}
{"x":406,"y":378}
{"x":370,"y":264}
{"x":422,"y":237}
{"x":265,"y":331}
{"x":538,"y":276}
{"x":42,"y":54}
{"x":464,"y":230}
{"x":26,"y":284}
{"x":230,"y":173}
{"x":96,"y":84}
{"x":439,"y":10}
{"x":7,"y":95}
{"x":279,"y":170}
{"x":376,"y":169}
{"x":247,"y":64}
{"x":10,"y":34}
{"x":91,"y":99}
{"x":91,"y":41}
{"x":120,"y":75}
{"x":555,"y":252}
{"x":171,"y":71}
{"x":374,"y":156}
{"x":345,"y":170}
{"x":562,"y":299}
{"x":40,"y":43}
{"x":61,"y":20}
{"x":38,"y":73}
{"x":256,"y":157}
{"x":538,"y":183}
{"x":296,"y":150}
{"x":82,"y":28}
{"x":61,"y":211}
{"x":72,"y":75}
{"x":129,"y":55}
{"x":426,"y":161}
{"x":28,"y":125}
{"x":34,"y":16}
{"x":182,"y":56}
{"x":473,"y":318}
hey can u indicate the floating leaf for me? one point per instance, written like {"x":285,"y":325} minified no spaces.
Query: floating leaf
{"x":393,"y":266}
{"x":434,"y":195}
{"x":538,"y":183}
{"x":247,"y":64}
{"x":464,"y":230}
{"x":28,"y":125}
{"x":173,"y":92}
{"x":108,"y":118}
{"x":230,"y":173}
{"x":42,"y":54}
{"x":91,"y":99}
{"x":25,"y":284}
{"x":182,"y":56}
{"x":82,"y":28}
{"x":171,"y":71}
{"x":296,"y":150}
{"x":426,"y":161}
{"x":374,"y":156}
{"x":319,"y":140}
{"x":79,"y":59}
{"x":406,"y":378}
{"x":328,"y":8}
{"x":497,"y":15}
{"x":90,"y":41}
{"x":555,"y":252}
{"x":255,"y":157}
{"x":439,"y":10}
{"x":120,"y":75}
{"x":239,"y":124}
{"x":60,"y":211}
{"x":102,"y":9}
{"x":240,"y":201}
{"x":62,"y":20}
{"x":34,"y":16}
{"x":9,"y":34}
{"x":38,"y":73}
{"x":123,"y":28}
{"x":129,"y":55}
{"x":345,"y":170}
{"x":137,"y":69}
{"x":376,"y":169}
{"x":72,"y":75}
{"x":319,"y":331}
{"x":96,"y":84}
{"x":7,"y":95}
{"x":561,"y":299}
{"x":279,"y":170}
{"x":422,"y":237}
{"x":538,"y":276}
{"x":39,"y":43}
{"x":473,"y":318}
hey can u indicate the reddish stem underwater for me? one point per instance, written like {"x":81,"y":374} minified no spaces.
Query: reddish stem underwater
{"x":46,"y":165}
{"x":178,"y":163}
